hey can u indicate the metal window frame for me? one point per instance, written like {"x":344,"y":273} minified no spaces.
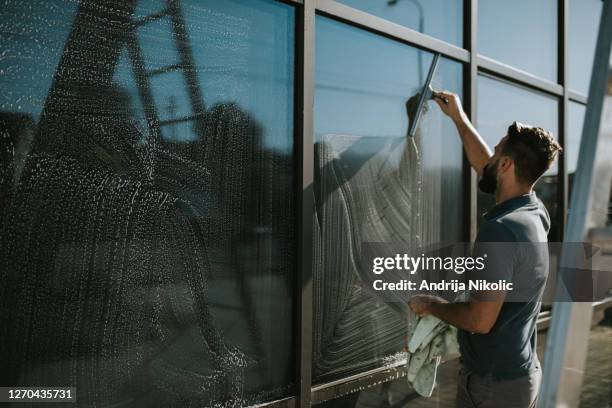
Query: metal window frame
{"x":562,"y":65}
{"x":474,"y":65}
{"x":304,"y":141}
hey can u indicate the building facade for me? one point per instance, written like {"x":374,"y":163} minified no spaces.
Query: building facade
{"x":187,"y":184}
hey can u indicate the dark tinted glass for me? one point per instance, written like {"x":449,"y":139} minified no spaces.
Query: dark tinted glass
{"x":442,"y":19}
{"x":147,"y":231}
{"x":520,"y":33}
{"x":500,"y":104}
{"x":372,"y":183}
{"x":584,"y":18}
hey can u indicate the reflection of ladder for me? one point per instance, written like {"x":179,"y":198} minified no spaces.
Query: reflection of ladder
{"x":185,"y":64}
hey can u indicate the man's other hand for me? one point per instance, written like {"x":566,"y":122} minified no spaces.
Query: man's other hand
{"x":419,"y":307}
{"x":450,"y":104}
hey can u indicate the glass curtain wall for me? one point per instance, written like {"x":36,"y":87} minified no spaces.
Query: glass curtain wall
{"x":148,"y":174}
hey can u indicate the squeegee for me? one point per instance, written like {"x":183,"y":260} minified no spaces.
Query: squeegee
{"x":425,"y":95}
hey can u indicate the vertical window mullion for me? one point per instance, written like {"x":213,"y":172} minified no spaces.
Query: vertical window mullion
{"x":305,"y":146}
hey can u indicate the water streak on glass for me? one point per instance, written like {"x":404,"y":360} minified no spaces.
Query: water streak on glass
{"x":147,"y":227}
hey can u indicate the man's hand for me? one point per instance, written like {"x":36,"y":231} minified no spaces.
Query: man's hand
{"x":450,"y":104}
{"x":419,"y":308}
{"x":476,"y":149}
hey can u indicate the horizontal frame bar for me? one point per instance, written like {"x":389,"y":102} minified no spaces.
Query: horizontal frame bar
{"x":167,"y":122}
{"x":358,"y":382}
{"x":288,"y":402}
{"x":292,"y":2}
{"x":577,"y":97}
{"x":350,"y":15}
{"x":488,"y":65}
{"x":381,"y":26}
{"x":166,"y":69}
{"x":151,"y":18}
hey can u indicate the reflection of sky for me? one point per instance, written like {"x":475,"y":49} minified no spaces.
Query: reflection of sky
{"x":572,"y":144}
{"x":583,"y":27}
{"x":363,"y":82}
{"x":500,"y":104}
{"x":442,"y":19}
{"x":521,"y":33}
{"x":243,"y":52}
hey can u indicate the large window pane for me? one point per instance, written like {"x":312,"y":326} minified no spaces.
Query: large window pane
{"x":520,"y":33}
{"x":582,"y":37}
{"x":500,"y":104}
{"x":374,"y":184}
{"x":441,"y":19}
{"x":147,"y":222}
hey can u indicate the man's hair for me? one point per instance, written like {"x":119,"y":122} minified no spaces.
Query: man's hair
{"x":532,"y":149}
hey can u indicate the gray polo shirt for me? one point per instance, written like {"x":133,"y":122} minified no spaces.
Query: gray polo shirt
{"x":508,"y":351}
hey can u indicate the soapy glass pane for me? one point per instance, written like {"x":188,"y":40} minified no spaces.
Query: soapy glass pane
{"x":148,"y":264}
{"x":520,"y":33}
{"x":442,"y":19}
{"x":372,"y":183}
{"x":501,"y":103}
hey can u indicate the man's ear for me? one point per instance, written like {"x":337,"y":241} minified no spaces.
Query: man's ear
{"x":505,"y":164}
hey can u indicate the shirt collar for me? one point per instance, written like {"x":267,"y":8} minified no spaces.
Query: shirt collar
{"x":510,"y":204}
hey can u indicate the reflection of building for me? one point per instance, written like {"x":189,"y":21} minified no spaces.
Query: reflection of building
{"x":154,"y":255}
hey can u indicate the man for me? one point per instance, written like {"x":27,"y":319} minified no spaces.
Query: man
{"x":497,"y":338}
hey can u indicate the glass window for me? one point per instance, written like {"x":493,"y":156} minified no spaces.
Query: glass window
{"x":520,"y":33}
{"x":147,"y":221}
{"x":374,"y":184}
{"x":500,"y":104}
{"x":572,"y":149}
{"x":442,"y":19}
{"x":583,"y":26}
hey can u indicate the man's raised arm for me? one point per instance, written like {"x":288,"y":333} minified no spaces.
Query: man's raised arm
{"x":476,"y":149}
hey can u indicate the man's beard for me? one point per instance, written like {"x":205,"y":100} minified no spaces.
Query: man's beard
{"x":488,"y":181}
